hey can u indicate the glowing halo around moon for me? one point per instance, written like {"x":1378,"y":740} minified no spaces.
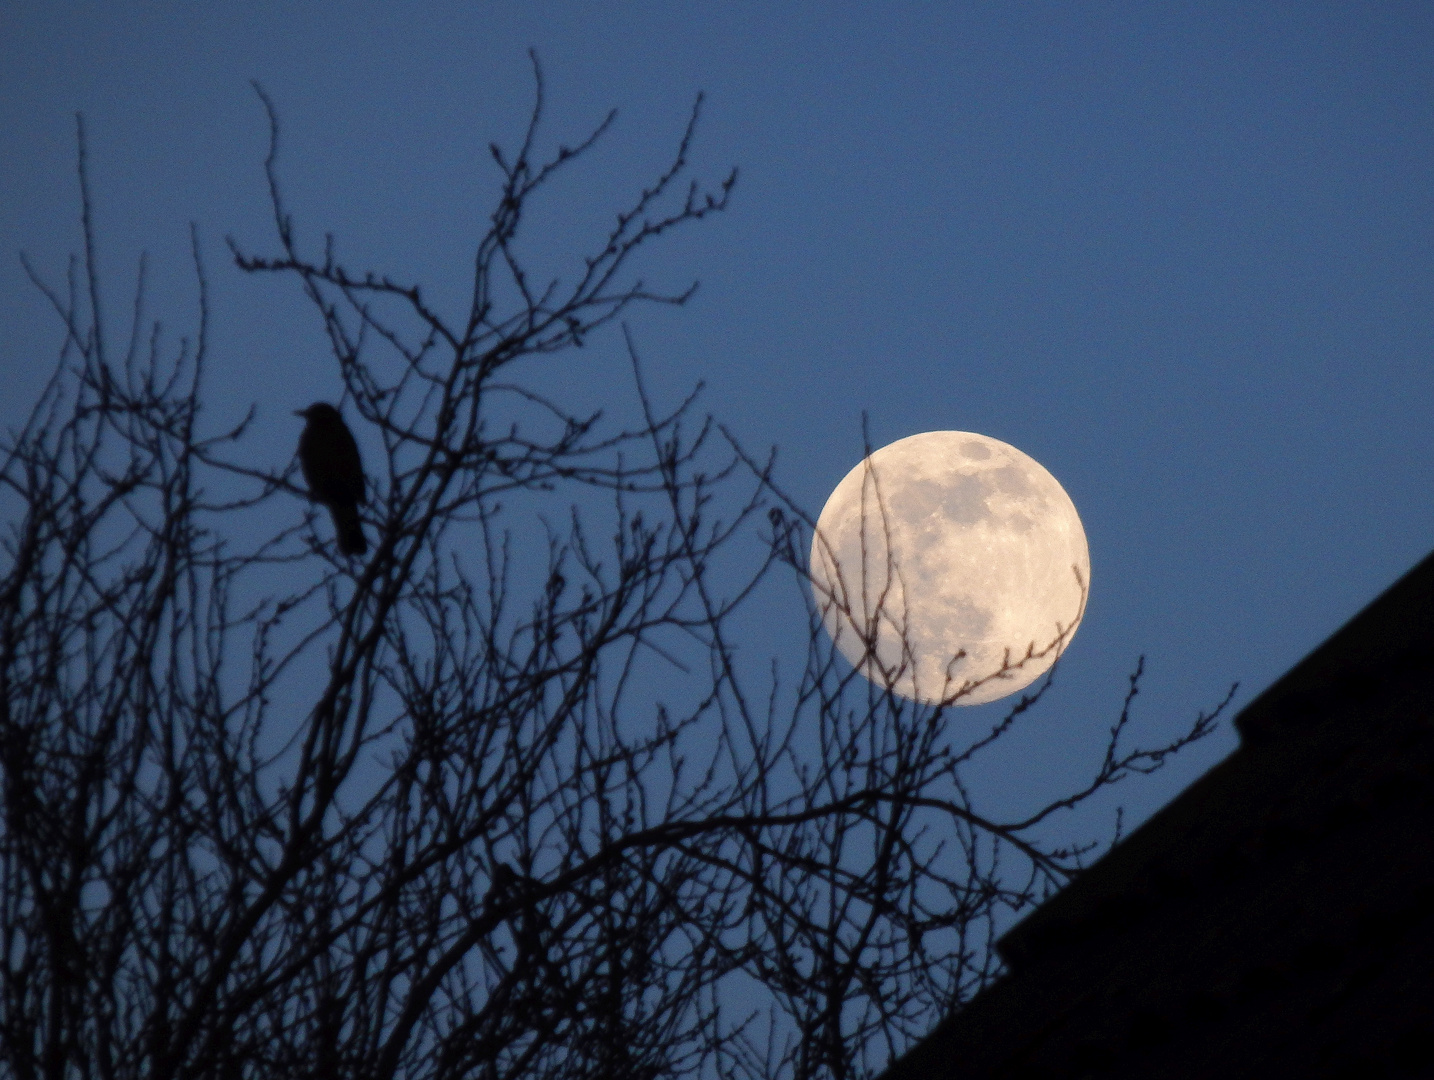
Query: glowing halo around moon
{"x":950,"y":567}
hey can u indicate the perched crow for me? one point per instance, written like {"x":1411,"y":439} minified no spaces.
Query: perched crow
{"x":334,"y":472}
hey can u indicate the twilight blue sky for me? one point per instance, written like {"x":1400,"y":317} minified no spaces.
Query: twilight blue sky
{"x":1182,"y":254}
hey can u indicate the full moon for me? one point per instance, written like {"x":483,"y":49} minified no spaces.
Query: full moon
{"x":950,"y":567}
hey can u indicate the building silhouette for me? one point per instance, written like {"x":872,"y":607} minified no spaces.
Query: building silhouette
{"x":1275,"y":920}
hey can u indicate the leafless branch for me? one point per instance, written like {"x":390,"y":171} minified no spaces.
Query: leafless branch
{"x":505,"y":798}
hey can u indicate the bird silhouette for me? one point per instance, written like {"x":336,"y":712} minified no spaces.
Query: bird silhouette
{"x":334,"y":472}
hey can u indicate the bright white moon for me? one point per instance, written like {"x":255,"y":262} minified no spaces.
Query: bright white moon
{"x":950,"y":567}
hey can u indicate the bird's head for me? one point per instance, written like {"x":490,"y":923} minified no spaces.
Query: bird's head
{"x":320,"y":412}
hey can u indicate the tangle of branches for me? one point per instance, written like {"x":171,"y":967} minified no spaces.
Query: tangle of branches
{"x":502,"y":798}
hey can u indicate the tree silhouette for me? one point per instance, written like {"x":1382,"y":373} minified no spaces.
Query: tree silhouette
{"x":500,"y":798}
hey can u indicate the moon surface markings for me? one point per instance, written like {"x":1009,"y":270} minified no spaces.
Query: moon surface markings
{"x":951,"y":567}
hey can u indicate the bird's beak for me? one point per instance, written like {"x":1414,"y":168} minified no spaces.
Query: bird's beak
{"x":302,"y":412}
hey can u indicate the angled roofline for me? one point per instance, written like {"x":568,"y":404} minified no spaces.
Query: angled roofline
{"x":1391,"y":635}
{"x":1388,"y":643}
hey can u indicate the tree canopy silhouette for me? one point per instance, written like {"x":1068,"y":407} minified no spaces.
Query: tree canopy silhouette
{"x":500,"y":798}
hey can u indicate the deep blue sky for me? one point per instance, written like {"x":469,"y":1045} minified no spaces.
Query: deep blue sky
{"x":1180,"y":253}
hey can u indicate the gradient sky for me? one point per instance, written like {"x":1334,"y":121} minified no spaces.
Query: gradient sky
{"x":1182,"y":254}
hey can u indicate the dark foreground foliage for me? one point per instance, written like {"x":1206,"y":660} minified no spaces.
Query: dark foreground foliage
{"x":496,"y":799}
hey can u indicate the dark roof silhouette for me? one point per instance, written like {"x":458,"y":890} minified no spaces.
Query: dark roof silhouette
{"x":1275,"y":920}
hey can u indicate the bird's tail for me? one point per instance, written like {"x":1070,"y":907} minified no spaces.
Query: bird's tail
{"x":349,"y":530}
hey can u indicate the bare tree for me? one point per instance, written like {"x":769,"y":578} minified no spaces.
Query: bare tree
{"x":501,"y":798}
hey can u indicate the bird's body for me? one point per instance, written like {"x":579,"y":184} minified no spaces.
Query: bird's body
{"x":333,"y":470}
